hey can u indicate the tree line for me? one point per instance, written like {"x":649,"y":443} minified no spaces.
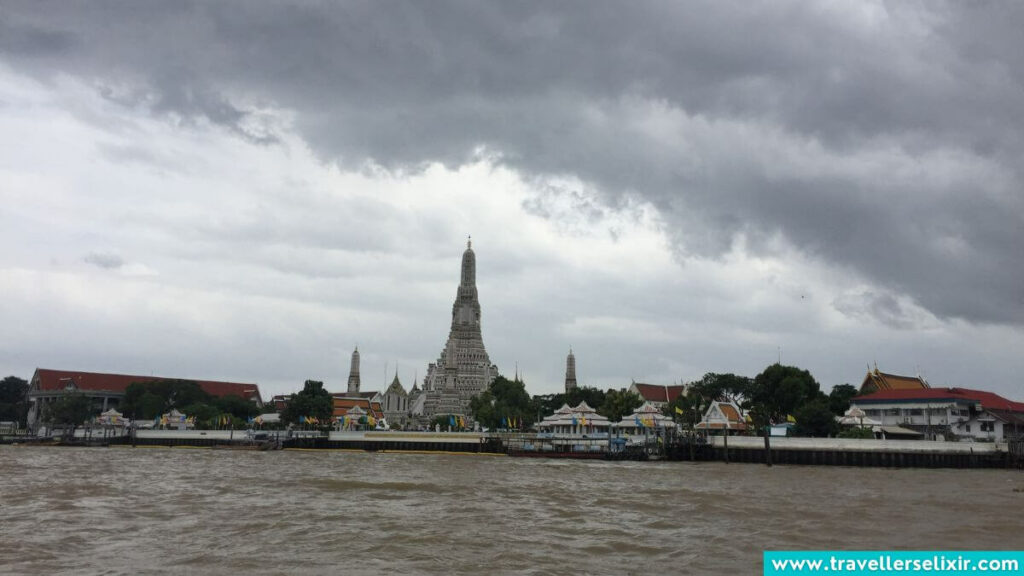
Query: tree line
{"x":774,"y":395}
{"x":13,"y":400}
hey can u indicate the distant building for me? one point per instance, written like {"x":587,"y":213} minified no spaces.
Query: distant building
{"x":106,"y":391}
{"x":353,"y":374}
{"x":279,"y":402}
{"x":417,"y":398}
{"x":659,"y":396}
{"x":463,"y":369}
{"x":721,"y":417}
{"x":570,"y":372}
{"x":395,"y":402}
{"x":645,"y":417}
{"x":935,"y":412}
{"x":355,"y":408}
{"x":875,"y":381}
{"x":354,"y":396}
{"x":581,"y":420}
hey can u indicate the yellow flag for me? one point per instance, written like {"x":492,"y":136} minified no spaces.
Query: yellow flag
{"x":679,"y":410}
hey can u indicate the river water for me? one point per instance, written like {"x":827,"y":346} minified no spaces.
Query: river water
{"x":198,"y":511}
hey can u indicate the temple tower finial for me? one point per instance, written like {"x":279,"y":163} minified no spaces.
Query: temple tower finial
{"x":353,"y":373}
{"x":570,"y":371}
{"x":468,"y":279}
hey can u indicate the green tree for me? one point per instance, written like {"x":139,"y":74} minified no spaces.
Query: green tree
{"x":775,"y":393}
{"x":13,"y":399}
{"x":147,"y":400}
{"x":688,"y":409}
{"x":618,"y":403}
{"x":145,"y":407}
{"x":727,"y":387}
{"x":780,"y":390}
{"x":70,"y":410}
{"x":240,"y":408}
{"x":548,"y":403}
{"x":692,"y":406}
{"x":815,"y":418}
{"x":203,"y":413}
{"x":839,"y":398}
{"x":504,"y":398}
{"x":312,"y":401}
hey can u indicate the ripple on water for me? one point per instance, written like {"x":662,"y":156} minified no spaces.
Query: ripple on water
{"x":218,"y":512}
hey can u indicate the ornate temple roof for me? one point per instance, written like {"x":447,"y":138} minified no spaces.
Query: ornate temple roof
{"x":875,"y":381}
{"x":396,"y":387}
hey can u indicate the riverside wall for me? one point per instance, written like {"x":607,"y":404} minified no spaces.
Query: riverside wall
{"x":396,"y":441}
{"x":851,"y":452}
{"x":741,"y":449}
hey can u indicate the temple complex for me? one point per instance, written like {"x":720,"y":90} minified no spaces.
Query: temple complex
{"x":463,"y":369}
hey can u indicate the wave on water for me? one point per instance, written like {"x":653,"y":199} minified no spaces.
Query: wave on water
{"x":125,"y":511}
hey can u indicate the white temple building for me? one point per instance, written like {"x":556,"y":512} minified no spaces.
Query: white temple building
{"x":645,"y":417}
{"x":395,"y":403}
{"x":722,"y":416}
{"x":581,"y":420}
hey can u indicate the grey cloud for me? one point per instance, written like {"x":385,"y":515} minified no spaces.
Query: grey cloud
{"x":882,"y":307}
{"x":105,"y":260}
{"x":833,"y":130}
{"x":30,"y":41}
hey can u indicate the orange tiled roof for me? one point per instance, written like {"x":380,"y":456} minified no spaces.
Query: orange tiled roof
{"x":343,"y":405}
{"x":875,"y":381}
{"x":730,"y":412}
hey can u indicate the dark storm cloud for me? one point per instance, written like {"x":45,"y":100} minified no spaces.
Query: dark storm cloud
{"x":882,"y":138}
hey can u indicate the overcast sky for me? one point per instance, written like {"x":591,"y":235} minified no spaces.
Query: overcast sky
{"x":247,"y":190}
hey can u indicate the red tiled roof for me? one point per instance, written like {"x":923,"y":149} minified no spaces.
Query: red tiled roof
{"x":657,"y":392}
{"x":988,"y":400}
{"x":48,"y":380}
{"x":675,"y":391}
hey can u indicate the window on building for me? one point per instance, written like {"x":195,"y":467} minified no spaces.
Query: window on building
{"x":967,"y":427}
